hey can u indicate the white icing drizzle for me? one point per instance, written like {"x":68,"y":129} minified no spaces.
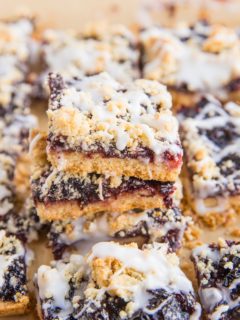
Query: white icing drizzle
{"x":203,"y":64}
{"x":53,"y":285}
{"x":72,"y":55}
{"x":7,"y":259}
{"x":161,"y":270}
{"x":141,"y":114}
{"x":15,"y":38}
{"x":218,"y":295}
{"x":204,"y":155}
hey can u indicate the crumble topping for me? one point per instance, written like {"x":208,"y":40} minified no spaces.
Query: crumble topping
{"x":120,"y":281}
{"x":15,"y":37}
{"x":217,"y":267}
{"x":200,"y":57}
{"x":12,"y":270}
{"x":98,"y":112}
{"x":211,"y":142}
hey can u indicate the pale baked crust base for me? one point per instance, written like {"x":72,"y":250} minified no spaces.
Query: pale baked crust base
{"x":62,"y":210}
{"x":14,"y":308}
{"x":77,"y":162}
{"x":211,"y":218}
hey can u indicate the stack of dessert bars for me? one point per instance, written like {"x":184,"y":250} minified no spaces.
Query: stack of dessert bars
{"x":108,"y":166}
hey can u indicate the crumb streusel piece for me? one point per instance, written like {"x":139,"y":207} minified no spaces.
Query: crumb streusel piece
{"x":217,"y":267}
{"x":99,"y":48}
{"x":143,"y":226}
{"x":98,"y":125}
{"x":200,"y":58}
{"x":211,"y":139}
{"x":59,"y":195}
{"x":14,"y":298}
{"x":117,"y":282}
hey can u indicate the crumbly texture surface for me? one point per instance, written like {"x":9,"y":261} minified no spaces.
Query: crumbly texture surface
{"x":210,"y":135}
{"x":150,"y":226}
{"x":98,"y":48}
{"x":133,"y":123}
{"x":217,"y":268}
{"x":60,"y":195}
{"x":193,"y":58}
{"x":13,"y":290}
{"x":113,"y":285}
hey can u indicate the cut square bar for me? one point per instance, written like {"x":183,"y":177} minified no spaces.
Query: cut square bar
{"x":217,"y":267}
{"x":14,"y":298}
{"x":98,"y":125}
{"x":192,"y":60}
{"x":117,"y":282}
{"x":211,"y":139}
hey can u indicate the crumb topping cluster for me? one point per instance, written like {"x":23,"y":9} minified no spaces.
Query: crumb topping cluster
{"x":211,"y":142}
{"x":201,"y":57}
{"x":124,"y":276}
{"x":98,"y":112}
{"x":217,"y":267}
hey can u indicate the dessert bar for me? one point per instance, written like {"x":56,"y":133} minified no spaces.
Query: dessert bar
{"x":211,"y":138}
{"x":117,"y":282}
{"x":98,"y":125}
{"x":14,"y":298}
{"x":59,"y":195}
{"x":99,"y":48}
{"x":217,"y":267}
{"x":195,"y":59}
{"x":142,"y":226}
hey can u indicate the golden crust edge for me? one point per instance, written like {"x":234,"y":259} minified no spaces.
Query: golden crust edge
{"x":10,"y":308}
{"x":71,"y":209}
{"x":76,"y":162}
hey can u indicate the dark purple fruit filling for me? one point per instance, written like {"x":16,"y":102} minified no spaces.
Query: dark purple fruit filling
{"x":86,"y":192}
{"x":174,"y":307}
{"x":14,"y":280}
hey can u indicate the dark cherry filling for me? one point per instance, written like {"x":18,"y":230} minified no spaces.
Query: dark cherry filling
{"x":178,"y":306}
{"x":86,"y":192}
{"x":59,"y":144}
{"x":10,"y":287}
